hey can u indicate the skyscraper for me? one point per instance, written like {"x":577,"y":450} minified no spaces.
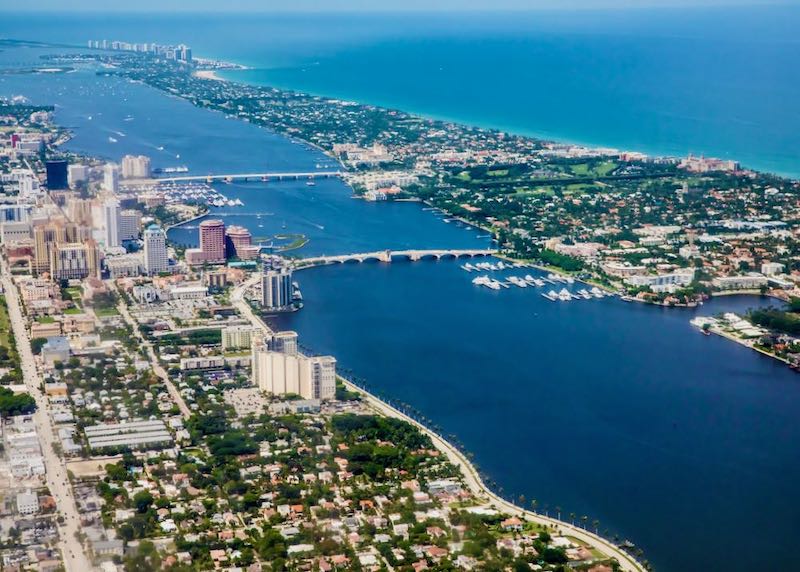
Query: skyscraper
{"x":212,"y":241}
{"x":57,"y":178}
{"x":130,"y":221}
{"x":276,"y":289}
{"x":236,"y":239}
{"x":135,"y":167}
{"x":155,"y":250}
{"x":111,"y":221}
{"x":111,"y":178}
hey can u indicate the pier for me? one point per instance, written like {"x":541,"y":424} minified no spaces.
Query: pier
{"x":389,"y":255}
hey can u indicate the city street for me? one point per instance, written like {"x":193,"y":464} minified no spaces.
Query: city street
{"x":75,"y":559}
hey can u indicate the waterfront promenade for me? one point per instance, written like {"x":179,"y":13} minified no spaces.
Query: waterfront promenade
{"x":471,"y":477}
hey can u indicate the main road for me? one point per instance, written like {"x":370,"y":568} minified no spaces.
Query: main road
{"x":74,"y":557}
{"x":176,"y":396}
{"x":471,"y":477}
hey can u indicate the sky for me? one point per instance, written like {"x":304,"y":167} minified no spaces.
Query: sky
{"x":355,"y":5}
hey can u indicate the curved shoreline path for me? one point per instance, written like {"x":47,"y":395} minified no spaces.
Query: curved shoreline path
{"x":471,"y":477}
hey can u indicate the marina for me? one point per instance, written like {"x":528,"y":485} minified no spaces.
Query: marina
{"x":530,"y":281}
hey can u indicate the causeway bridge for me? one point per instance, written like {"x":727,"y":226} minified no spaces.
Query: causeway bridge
{"x":389,"y":255}
{"x":255,"y":177}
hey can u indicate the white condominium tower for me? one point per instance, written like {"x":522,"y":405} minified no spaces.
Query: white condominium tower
{"x":111,"y":178}
{"x":155,"y":251}
{"x":111,"y":220}
{"x":135,"y":167}
{"x":276,"y":289}
{"x":282,"y":373}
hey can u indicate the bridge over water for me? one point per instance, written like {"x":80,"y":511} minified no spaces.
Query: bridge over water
{"x":254,"y":177}
{"x":389,"y":255}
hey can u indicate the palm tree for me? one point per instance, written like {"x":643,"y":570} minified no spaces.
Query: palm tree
{"x":558,"y":512}
{"x":572,"y":518}
{"x":595,"y":525}
{"x":584,"y":520}
{"x":534,"y":504}
{"x":521,"y":500}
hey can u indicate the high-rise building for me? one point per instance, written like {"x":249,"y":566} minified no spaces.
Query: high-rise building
{"x":111,"y":223}
{"x":111,"y":178}
{"x":77,"y":174}
{"x":282,"y":373}
{"x":284,"y":342}
{"x":135,"y":167}
{"x":155,"y":251}
{"x":276,"y":289}
{"x":79,"y":211}
{"x":130,"y":221}
{"x":237,"y":337}
{"x":236,"y":239}
{"x":212,"y":241}
{"x":57,"y":177}
{"x":74,"y":260}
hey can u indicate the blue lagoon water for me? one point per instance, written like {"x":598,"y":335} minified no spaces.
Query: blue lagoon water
{"x":683,"y":443}
{"x":670,"y":81}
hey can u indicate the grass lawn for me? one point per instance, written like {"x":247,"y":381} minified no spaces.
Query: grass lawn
{"x":105,"y":312}
{"x":580,"y":169}
{"x":45,"y":319}
{"x":498,"y":173}
{"x":605,"y":168}
{"x":5,"y":325}
{"x":74,"y":310}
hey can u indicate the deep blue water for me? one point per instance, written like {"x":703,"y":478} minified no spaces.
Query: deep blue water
{"x":683,"y":443}
{"x":665,"y":81}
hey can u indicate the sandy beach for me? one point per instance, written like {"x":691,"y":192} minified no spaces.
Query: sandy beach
{"x":208,"y":74}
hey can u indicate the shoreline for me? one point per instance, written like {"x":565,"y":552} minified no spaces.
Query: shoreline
{"x":472,"y":479}
{"x":466,"y":122}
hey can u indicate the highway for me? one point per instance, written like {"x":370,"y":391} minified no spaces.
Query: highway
{"x":74,"y":556}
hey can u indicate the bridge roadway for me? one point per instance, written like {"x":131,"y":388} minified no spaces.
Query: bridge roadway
{"x":245,"y":177}
{"x":388,"y":255}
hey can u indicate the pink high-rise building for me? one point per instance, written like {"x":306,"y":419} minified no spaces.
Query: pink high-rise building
{"x":212,"y":240}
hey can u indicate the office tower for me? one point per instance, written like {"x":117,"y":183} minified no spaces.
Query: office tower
{"x":130,"y":221}
{"x":111,"y":223}
{"x":27,"y":183}
{"x":74,"y":260}
{"x":77,"y":174}
{"x":111,"y":178}
{"x":276,"y":289}
{"x":57,"y":177}
{"x":15,"y":213}
{"x":284,"y":342}
{"x":79,"y":211}
{"x":236,"y":239}
{"x":155,"y":251}
{"x":212,"y":240}
{"x":135,"y":167}
{"x":318,"y":377}
{"x":186,"y":54}
{"x":45,"y":238}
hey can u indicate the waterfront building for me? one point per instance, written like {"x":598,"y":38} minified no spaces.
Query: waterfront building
{"x":57,"y":177}
{"x":237,"y":337}
{"x":130,"y":221}
{"x":111,"y":223}
{"x":77,"y":174}
{"x":155,"y":251}
{"x":135,"y":167}
{"x":276,"y":289}
{"x":238,"y":242}
{"x":750,"y":281}
{"x":663,"y":282}
{"x":212,"y":240}
{"x":283,"y":342}
{"x":111,"y":178}
{"x":772,"y":268}
{"x":279,"y":373}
